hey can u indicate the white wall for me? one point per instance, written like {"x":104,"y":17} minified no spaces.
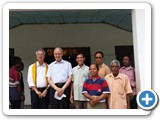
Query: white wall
{"x":142,"y":42}
{"x":26,"y":39}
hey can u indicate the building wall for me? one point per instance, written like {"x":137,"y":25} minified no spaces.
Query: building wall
{"x":26,"y":39}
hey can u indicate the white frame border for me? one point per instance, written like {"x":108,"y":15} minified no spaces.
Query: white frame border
{"x":44,"y":6}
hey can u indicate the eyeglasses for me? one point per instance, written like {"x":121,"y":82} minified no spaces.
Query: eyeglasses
{"x":93,"y":69}
{"x":40,"y":54}
{"x":98,"y":57}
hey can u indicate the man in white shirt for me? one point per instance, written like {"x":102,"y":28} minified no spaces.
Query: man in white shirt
{"x":80,"y":74}
{"x":59,"y":77}
{"x":38,"y":83}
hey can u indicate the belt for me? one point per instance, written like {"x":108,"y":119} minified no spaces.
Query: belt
{"x":43,"y":88}
{"x":59,"y":84}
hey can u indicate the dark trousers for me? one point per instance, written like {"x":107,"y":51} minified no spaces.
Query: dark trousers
{"x":133,"y":103}
{"x":64,"y":103}
{"x":15,"y":104}
{"x":14,"y":98}
{"x":39,"y":103}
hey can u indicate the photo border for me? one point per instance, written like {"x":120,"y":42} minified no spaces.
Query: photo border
{"x":45,"y":6}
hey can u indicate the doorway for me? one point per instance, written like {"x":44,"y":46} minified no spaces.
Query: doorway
{"x":69,"y":54}
{"x":121,"y":51}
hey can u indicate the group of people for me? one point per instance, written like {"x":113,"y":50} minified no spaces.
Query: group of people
{"x":97,"y":86}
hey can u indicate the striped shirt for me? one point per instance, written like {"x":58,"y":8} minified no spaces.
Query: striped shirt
{"x":95,"y":87}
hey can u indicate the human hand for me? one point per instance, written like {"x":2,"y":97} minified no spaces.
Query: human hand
{"x":39,"y":94}
{"x":91,"y":103}
{"x":95,"y":100}
{"x":22,"y":97}
{"x":44,"y":93}
{"x":72,"y":99}
{"x":60,"y":91}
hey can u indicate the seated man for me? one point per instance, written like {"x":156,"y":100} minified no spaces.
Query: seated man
{"x":95,"y":89}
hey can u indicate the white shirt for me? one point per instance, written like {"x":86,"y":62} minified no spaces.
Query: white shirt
{"x":40,"y":77}
{"x":59,"y":71}
{"x":80,"y":74}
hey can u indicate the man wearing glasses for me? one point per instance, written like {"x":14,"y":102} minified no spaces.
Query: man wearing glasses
{"x":103,"y":69}
{"x":38,"y":82}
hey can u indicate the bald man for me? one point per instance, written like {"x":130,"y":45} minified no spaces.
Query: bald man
{"x":59,"y":77}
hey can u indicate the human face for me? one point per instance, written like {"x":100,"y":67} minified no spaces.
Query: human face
{"x":126,"y":61}
{"x":17,"y":67}
{"x":58,"y":54}
{"x":40,"y":56}
{"x":93,"y":70}
{"x":115,"y":69}
{"x":99,"y":59}
{"x":80,"y":59}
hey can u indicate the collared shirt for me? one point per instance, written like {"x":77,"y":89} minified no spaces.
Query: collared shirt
{"x":103,"y":70}
{"x":95,"y":87}
{"x":130,"y":72}
{"x":40,"y":76}
{"x":119,"y":87}
{"x":59,"y":71}
{"x":80,"y":74}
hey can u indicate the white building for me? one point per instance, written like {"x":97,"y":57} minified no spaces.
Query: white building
{"x":25,"y":39}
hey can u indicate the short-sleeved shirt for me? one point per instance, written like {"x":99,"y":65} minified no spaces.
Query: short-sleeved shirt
{"x":119,"y":87}
{"x":14,"y":80}
{"x":14,"y":77}
{"x":59,"y":71}
{"x":130,"y":72}
{"x":80,"y":74}
{"x":103,"y":70}
{"x":40,"y":75}
{"x":95,"y":87}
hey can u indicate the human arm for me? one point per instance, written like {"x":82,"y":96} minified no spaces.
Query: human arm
{"x":44,"y":93}
{"x":31,"y":83}
{"x":104,"y":94}
{"x":71,"y":94}
{"x":34,"y":88}
{"x":133,"y":81}
{"x":128,"y":91}
{"x":128,"y":101}
{"x":53,"y":85}
{"x":68,"y":81}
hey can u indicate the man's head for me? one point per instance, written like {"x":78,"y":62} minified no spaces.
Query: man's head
{"x":15,"y":62}
{"x":115,"y":66}
{"x":21,"y":67}
{"x":80,"y":59}
{"x":126,"y":61}
{"x":58,"y":53}
{"x":93,"y":69}
{"x":40,"y":55}
{"x":99,"y":57}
